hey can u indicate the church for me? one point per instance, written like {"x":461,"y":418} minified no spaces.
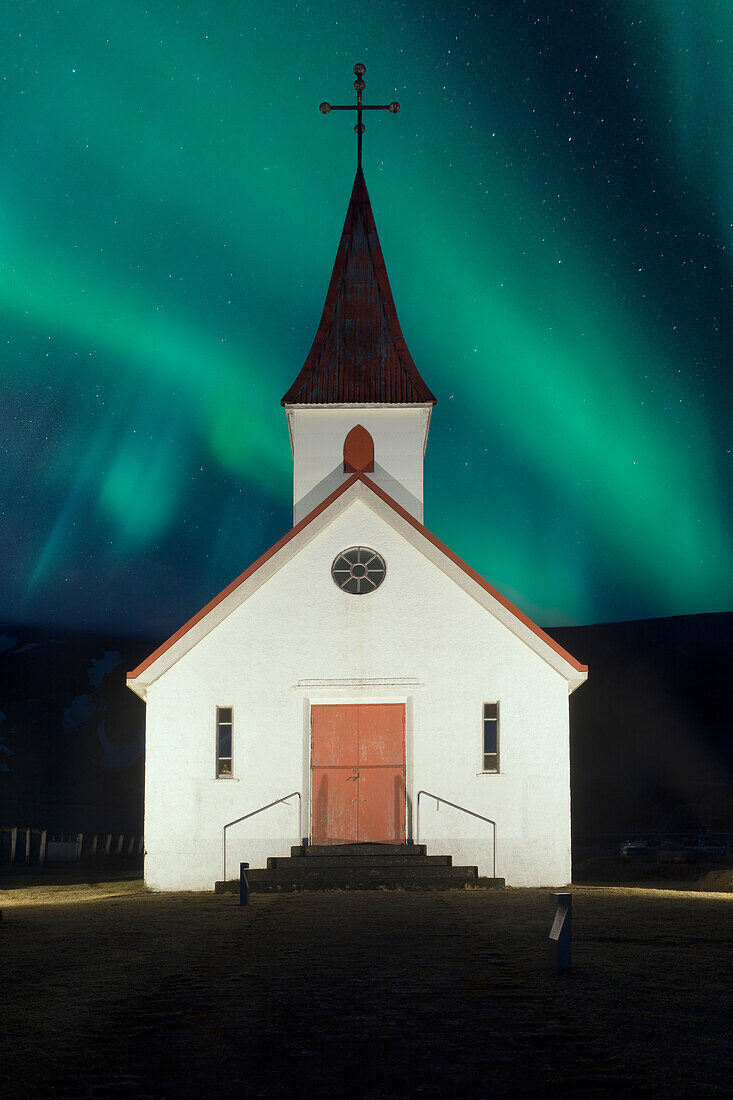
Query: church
{"x":359,"y":667}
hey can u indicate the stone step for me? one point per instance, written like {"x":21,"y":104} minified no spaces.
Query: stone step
{"x":314,"y":850}
{"x":360,"y":867}
{"x":305,"y":877}
{"x":305,"y":872}
{"x":352,"y":883}
{"x":412,"y":860}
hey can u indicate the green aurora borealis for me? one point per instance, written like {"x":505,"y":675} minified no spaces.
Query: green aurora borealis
{"x":554,"y":201}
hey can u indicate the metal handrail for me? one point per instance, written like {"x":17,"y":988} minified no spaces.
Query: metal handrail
{"x":463,"y":809}
{"x":244,"y":818}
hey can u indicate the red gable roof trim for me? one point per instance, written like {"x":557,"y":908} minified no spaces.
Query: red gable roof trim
{"x":241,"y":578}
{"x":473,"y":574}
{"x":484,"y":584}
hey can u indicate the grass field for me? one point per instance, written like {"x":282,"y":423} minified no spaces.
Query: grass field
{"x":108,"y":990}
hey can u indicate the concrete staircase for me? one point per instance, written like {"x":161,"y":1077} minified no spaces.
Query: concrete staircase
{"x":360,"y":867}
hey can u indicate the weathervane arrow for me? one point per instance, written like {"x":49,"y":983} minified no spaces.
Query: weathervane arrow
{"x":393,"y":108}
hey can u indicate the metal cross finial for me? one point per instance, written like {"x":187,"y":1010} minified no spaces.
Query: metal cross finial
{"x":359,"y":71}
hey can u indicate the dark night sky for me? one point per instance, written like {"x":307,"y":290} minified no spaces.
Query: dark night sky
{"x":554,"y":202}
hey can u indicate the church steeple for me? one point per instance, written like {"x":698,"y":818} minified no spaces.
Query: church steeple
{"x":359,"y":353}
{"x":359,"y":373}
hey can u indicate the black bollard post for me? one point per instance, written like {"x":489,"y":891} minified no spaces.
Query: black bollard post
{"x":243,"y":884}
{"x":561,"y":932}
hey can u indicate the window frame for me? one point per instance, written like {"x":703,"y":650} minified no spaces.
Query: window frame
{"x":342,"y":563}
{"x":484,"y":754}
{"x":219,"y":772}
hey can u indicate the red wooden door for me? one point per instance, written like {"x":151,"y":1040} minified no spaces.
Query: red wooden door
{"x":334,"y":759}
{"x":335,"y":813}
{"x":358,"y":773}
{"x":382,"y":805}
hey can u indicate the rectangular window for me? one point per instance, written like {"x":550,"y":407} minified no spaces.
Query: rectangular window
{"x":224,"y":716}
{"x":491,"y":737}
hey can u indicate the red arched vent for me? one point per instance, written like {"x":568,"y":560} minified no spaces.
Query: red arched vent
{"x":358,"y":451}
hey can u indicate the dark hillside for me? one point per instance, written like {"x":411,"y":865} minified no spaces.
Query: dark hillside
{"x":71,"y":733}
{"x":652,"y":730}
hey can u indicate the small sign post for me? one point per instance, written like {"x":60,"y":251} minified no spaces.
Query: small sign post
{"x":243,"y":884}
{"x":561,"y":932}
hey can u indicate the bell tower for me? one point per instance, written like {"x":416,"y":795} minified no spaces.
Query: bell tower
{"x":359,"y":372}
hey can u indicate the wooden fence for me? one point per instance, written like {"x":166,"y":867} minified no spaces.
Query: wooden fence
{"x":29,"y":846}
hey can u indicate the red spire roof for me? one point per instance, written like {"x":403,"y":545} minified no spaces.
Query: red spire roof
{"x":359,"y":354}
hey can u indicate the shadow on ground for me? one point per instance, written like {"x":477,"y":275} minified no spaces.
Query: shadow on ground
{"x":373,"y":994}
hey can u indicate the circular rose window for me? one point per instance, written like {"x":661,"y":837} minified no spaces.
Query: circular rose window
{"x":358,"y":570}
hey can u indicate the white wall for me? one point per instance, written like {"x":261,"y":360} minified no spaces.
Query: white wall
{"x":317,"y":436}
{"x":418,"y":639}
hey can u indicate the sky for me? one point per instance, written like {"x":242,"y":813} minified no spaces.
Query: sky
{"x":554,"y":201}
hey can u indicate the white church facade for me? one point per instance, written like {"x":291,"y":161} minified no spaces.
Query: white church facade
{"x":359,"y":662}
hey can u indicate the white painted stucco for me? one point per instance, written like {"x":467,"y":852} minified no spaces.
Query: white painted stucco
{"x":288,"y":638}
{"x":317,"y":437}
